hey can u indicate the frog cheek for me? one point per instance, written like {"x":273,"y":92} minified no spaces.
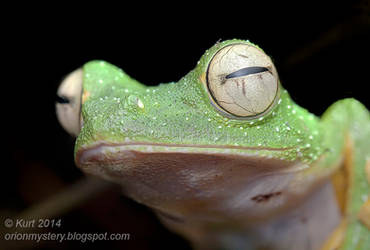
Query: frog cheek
{"x":242,"y":81}
{"x":68,"y":102}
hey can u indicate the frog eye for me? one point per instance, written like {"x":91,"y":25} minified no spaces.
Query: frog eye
{"x":68,"y":102}
{"x":242,"y":81}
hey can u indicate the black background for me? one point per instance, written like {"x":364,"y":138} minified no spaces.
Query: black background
{"x":321,"y":53}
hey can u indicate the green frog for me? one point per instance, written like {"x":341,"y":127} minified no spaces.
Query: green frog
{"x":224,"y":157}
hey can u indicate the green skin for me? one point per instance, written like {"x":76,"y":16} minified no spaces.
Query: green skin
{"x":172,"y":150}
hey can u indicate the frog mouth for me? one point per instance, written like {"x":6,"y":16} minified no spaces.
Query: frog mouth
{"x":116,"y":153}
{"x":108,"y":159}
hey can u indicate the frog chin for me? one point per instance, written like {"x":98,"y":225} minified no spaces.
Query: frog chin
{"x":179,"y":181}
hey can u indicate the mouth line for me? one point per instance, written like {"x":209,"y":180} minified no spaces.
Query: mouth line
{"x":101,"y":145}
{"x":101,"y":151}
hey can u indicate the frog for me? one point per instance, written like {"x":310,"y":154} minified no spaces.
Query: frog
{"x":224,"y":156}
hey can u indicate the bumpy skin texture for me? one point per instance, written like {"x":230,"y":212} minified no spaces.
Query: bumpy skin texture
{"x":182,"y":113}
{"x":151,"y":139}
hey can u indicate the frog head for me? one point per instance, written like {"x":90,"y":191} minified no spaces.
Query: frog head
{"x":204,"y":143}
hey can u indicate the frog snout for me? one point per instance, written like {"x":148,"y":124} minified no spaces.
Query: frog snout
{"x":68,"y":102}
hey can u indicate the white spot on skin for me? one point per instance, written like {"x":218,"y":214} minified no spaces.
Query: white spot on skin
{"x":310,"y":137}
{"x":140,"y":104}
{"x":277,"y":129}
{"x":187,"y":118}
{"x":289,"y":107}
{"x":294,"y":111}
